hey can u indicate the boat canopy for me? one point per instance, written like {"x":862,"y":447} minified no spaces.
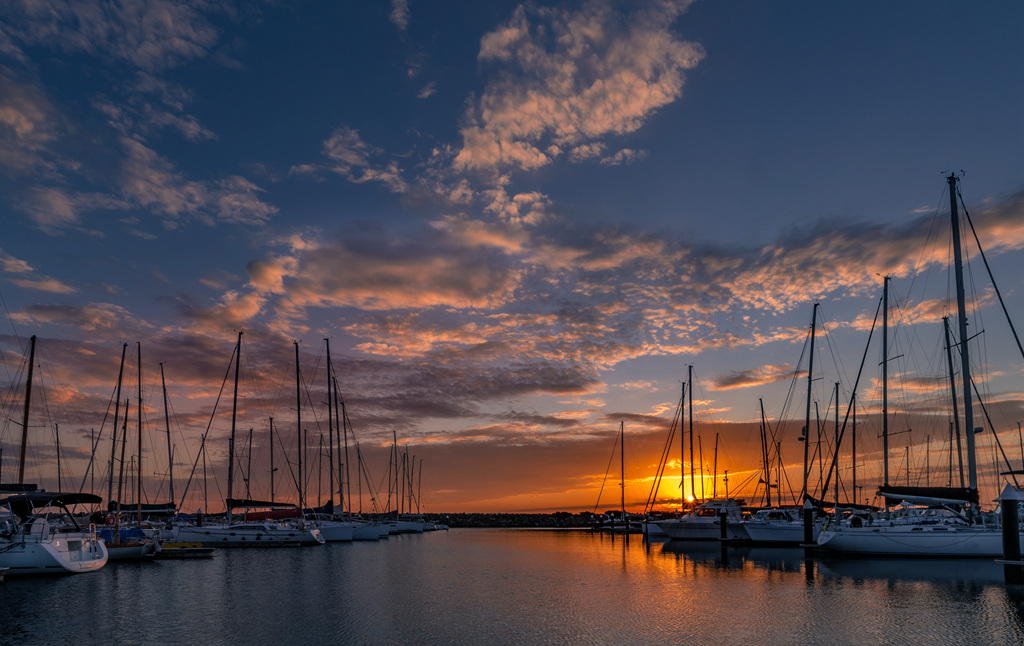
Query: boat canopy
{"x":930,"y":495}
{"x":24,"y":505}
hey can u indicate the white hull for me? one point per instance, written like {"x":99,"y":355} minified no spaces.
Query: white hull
{"x":247,"y":535}
{"x":336,"y":532}
{"x":780,"y":532}
{"x":408,"y":527}
{"x":915,"y":540}
{"x":369,"y":532}
{"x":52,"y":553}
{"x":700,"y":528}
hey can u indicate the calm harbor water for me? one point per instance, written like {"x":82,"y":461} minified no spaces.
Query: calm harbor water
{"x":489,"y":586}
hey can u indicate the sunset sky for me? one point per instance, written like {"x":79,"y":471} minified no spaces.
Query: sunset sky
{"x":517,"y":224}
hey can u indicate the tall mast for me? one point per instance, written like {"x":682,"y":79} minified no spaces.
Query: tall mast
{"x":330,"y":429}
{"x":807,"y":416}
{"x":689,"y":379}
{"x":28,"y":399}
{"x":113,"y":439}
{"x":231,"y":443}
{"x":682,"y":449}
{"x":956,"y":414}
{"x":343,"y":417}
{"x":138,"y":487}
{"x":394,"y":446}
{"x":622,"y":465}
{"x":272,"y":468}
{"x":961,"y":311}
{"x":167,"y":423}
{"x":120,"y":475}
{"x":714,"y":477}
{"x":837,"y":447}
{"x":764,"y":452}
{"x":298,"y":412}
{"x":853,"y":441}
{"x":885,"y":380}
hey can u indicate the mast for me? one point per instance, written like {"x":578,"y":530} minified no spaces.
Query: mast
{"x":330,"y":432}
{"x":120,"y":475}
{"x":138,"y":487}
{"x":682,"y":450}
{"x":700,"y":459}
{"x":961,"y":310}
{"x":885,"y":380}
{"x":113,"y":439}
{"x":343,"y":419}
{"x":167,"y":423}
{"x":764,"y":453}
{"x":394,"y":451}
{"x":231,"y":442}
{"x":956,"y":415}
{"x":853,"y":487}
{"x":807,"y":417}
{"x":689,"y":379}
{"x":298,"y":412}
{"x":714,"y":478}
{"x":837,"y":448}
{"x":622,"y":467}
{"x":28,"y":399}
{"x":272,"y":468}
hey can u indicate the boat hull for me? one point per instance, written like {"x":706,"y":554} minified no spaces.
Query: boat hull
{"x":248,"y":536}
{"x":910,"y":540}
{"x":699,"y":528}
{"x":58,"y":553}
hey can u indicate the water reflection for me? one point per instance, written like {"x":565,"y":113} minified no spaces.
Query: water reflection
{"x":520,"y":587}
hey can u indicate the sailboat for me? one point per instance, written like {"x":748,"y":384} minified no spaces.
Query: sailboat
{"x":246,"y":533}
{"x":930,"y":521}
{"x":705,"y":521}
{"x":34,"y":541}
{"x":786,"y":525}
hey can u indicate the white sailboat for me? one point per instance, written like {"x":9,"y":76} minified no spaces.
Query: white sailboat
{"x":705,"y":522}
{"x":33,"y":541}
{"x":247,"y":533}
{"x":947,"y":521}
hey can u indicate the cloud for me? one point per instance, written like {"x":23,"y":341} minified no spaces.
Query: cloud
{"x":569,"y":79}
{"x":355,"y":160}
{"x":384,"y":274}
{"x":26,"y":278}
{"x":152,"y":182}
{"x":151,"y":35}
{"x":753,"y":377}
{"x":29,"y":128}
{"x":399,"y":15}
{"x":89,"y":318}
{"x":51,"y":285}
{"x":428,"y":90}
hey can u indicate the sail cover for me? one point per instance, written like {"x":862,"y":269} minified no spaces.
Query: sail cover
{"x":930,"y":495}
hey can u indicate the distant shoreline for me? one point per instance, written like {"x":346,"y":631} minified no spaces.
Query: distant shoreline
{"x":559,"y":519}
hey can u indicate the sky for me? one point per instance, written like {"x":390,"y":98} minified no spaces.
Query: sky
{"x":519,"y":225}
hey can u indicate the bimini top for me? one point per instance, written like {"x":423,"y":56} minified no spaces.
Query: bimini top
{"x":24,"y":505}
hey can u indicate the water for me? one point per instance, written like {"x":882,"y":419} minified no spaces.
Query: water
{"x":489,"y":586}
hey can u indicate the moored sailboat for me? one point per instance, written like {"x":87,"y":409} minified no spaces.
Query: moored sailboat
{"x":35,"y":542}
{"x":946,"y":521}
